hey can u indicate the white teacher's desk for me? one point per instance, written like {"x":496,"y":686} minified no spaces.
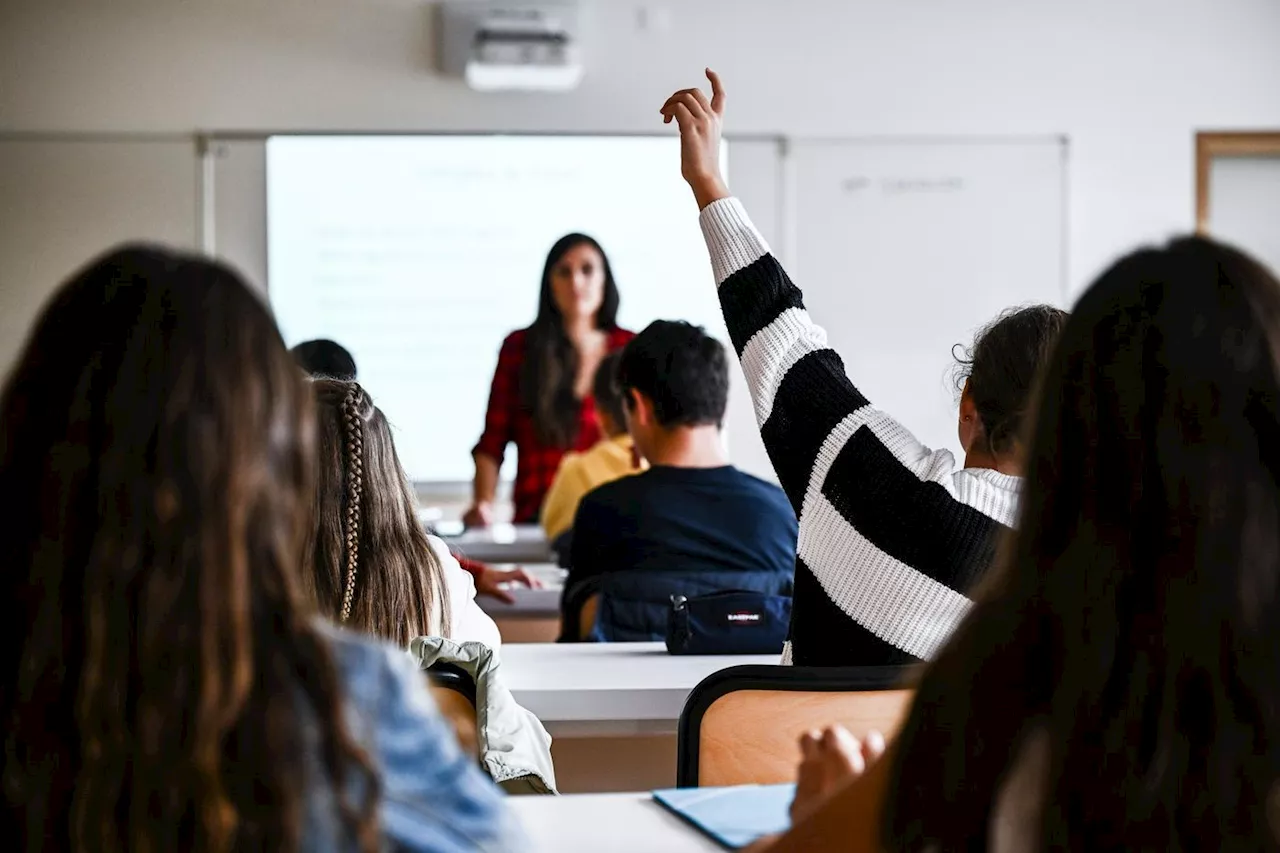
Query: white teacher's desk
{"x":612,"y":708}
{"x":606,"y":823}
{"x":503,"y":543}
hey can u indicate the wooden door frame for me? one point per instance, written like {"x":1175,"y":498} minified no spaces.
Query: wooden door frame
{"x":1220,"y":144}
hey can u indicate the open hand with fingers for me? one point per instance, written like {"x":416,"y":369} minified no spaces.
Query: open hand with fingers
{"x":493,"y":582}
{"x":699,"y":120}
{"x":830,"y":759}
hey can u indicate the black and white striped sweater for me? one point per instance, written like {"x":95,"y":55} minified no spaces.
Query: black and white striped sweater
{"x":892,"y":536}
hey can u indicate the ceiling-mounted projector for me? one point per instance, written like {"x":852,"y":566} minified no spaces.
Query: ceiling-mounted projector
{"x":510,"y":47}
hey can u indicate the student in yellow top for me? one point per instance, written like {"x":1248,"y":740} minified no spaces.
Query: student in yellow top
{"x":612,"y":457}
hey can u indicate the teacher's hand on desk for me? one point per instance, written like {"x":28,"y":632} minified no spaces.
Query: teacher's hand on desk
{"x":478,"y":515}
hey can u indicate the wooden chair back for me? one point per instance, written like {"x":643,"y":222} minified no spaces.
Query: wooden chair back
{"x":743,"y":724}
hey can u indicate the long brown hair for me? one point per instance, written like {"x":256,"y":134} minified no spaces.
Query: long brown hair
{"x":162,"y":679}
{"x":367,"y":562}
{"x":550,"y":365}
{"x":1134,"y":623}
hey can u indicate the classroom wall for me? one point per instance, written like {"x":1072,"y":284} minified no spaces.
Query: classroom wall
{"x":1128,"y":82}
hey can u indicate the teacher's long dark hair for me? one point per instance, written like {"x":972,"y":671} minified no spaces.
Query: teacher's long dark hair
{"x":162,"y":679}
{"x":1130,"y":641}
{"x":551,"y":364}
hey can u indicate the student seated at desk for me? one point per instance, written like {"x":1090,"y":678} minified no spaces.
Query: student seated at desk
{"x":326,"y":359}
{"x":692,"y":524}
{"x":167,"y":686}
{"x":369,"y":564}
{"x":1116,"y":684}
{"x":613,"y":457}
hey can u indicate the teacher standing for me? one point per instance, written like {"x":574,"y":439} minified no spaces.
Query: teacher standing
{"x":541,"y":393}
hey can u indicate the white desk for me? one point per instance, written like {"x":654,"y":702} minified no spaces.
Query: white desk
{"x":503,"y":543}
{"x":612,"y":823}
{"x":608,"y":689}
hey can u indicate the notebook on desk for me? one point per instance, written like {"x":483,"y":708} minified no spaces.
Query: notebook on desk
{"x":734,"y":817}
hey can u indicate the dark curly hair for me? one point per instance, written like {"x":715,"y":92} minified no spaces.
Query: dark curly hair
{"x":1002,"y":365}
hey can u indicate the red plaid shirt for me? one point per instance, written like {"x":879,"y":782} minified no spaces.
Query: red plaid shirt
{"x":509,"y":420}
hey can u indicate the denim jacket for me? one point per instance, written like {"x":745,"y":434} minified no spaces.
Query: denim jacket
{"x":432,"y":798}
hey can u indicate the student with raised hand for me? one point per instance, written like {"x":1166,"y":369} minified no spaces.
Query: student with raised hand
{"x":892,"y":535}
{"x":1115,"y":685}
{"x":165,"y":683}
{"x":368,"y":563}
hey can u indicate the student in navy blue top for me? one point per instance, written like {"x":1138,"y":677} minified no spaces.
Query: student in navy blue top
{"x":692,"y":523}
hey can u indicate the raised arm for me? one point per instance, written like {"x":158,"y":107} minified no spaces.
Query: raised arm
{"x":801,"y":392}
{"x":798,"y":384}
{"x":891,"y":535}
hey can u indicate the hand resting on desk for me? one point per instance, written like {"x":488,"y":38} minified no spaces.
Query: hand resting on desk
{"x":490,"y":581}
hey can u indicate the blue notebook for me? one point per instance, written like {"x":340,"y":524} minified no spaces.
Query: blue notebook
{"x":735,"y":817}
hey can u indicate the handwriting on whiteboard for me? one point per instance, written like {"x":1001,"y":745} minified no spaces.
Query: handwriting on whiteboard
{"x":902,"y":186}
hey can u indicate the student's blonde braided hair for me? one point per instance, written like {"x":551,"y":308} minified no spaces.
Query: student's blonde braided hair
{"x":371,"y":566}
{"x":353,"y":440}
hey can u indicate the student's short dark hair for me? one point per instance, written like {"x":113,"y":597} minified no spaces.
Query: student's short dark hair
{"x":682,"y":369}
{"x":323,"y":358}
{"x":605,"y":390}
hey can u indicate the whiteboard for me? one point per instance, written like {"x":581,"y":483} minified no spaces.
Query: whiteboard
{"x":66,"y":198}
{"x":905,"y":249}
{"x":420,"y":253}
